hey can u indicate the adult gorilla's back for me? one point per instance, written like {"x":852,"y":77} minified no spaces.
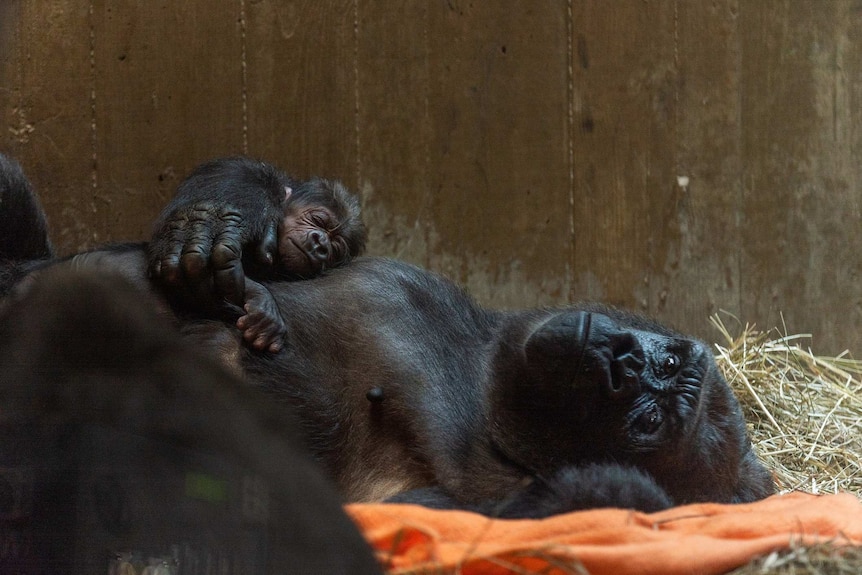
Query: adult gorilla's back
{"x":402,"y":382}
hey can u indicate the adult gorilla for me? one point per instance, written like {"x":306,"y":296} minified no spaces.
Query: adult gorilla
{"x":407,"y":389}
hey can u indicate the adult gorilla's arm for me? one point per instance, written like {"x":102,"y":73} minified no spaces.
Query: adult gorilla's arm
{"x":224,"y":208}
{"x":571,"y":488}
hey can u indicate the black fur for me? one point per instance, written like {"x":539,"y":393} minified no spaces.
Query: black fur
{"x":590,"y":486}
{"x":225,"y":205}
{"x":23,"y":223}
{"x":475,"y":402}
{"x":234,"y":216}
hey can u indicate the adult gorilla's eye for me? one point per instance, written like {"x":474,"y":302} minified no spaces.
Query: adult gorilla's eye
{"x":670,"y":365}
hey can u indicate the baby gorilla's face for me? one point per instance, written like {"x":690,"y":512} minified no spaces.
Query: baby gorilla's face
{"x":321,"y":229}
{"x":309,"y":242}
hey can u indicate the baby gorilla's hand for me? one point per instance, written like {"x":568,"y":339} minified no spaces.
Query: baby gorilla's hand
{"x":262,"y":326}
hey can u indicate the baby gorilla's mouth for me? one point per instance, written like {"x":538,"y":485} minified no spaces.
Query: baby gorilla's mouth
{"x":299,"y":261}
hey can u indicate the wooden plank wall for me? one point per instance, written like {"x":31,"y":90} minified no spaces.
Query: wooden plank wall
{"x":672,"y":156}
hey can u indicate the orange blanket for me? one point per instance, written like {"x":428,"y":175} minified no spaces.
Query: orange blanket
{"x":704,"y":538}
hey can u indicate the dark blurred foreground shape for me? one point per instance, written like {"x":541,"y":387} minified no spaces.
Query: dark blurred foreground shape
{"x":122,"y":447}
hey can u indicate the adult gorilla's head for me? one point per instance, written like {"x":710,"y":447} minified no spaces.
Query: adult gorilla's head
{"x":603,"y":386}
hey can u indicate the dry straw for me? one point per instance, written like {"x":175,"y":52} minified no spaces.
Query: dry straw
{"x":804,"y":411}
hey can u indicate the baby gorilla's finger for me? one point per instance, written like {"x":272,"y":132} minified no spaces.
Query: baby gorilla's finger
{"x":267,"y":248}
{"x":254,"y":330}
{"x":275,"y":347}
{"x":260,"y":330}
{"x":228,"y":274}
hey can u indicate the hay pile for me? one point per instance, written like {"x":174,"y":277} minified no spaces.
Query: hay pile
{"x":804,"y":411}
{"x":826,"y":559}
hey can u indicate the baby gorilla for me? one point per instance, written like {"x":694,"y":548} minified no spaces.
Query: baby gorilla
{"x":304,"y":229}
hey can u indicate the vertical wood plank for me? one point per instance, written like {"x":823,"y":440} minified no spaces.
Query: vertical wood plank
{"x":10,"y":76}
{"x":699,"y":230}
{"x":625,"y":84}
{"x":301,"y":86}
{"x":801,"y":233}
{"x":168,"y":95}
{"x":394,"y":128}
{"x":498,"y":155}
{"x":50,"y":118}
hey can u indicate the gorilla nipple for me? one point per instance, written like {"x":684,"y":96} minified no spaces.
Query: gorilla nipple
{"x":374,"y":395}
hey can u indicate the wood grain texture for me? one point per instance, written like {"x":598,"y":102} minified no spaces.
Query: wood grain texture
{"x":48,"y":58}
{"x":167,"y":95}
{"x":301,"y":86}
{"x":498,"y":156}
{"x":625,"y":88}
{"x":675,"y":157}
{"x":801,"y":206}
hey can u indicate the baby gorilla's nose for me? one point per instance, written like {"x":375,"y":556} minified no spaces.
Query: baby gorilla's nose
{"x":319,"y":245}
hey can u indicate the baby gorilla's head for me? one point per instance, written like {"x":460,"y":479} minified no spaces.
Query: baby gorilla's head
{"x":321,"y":229}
